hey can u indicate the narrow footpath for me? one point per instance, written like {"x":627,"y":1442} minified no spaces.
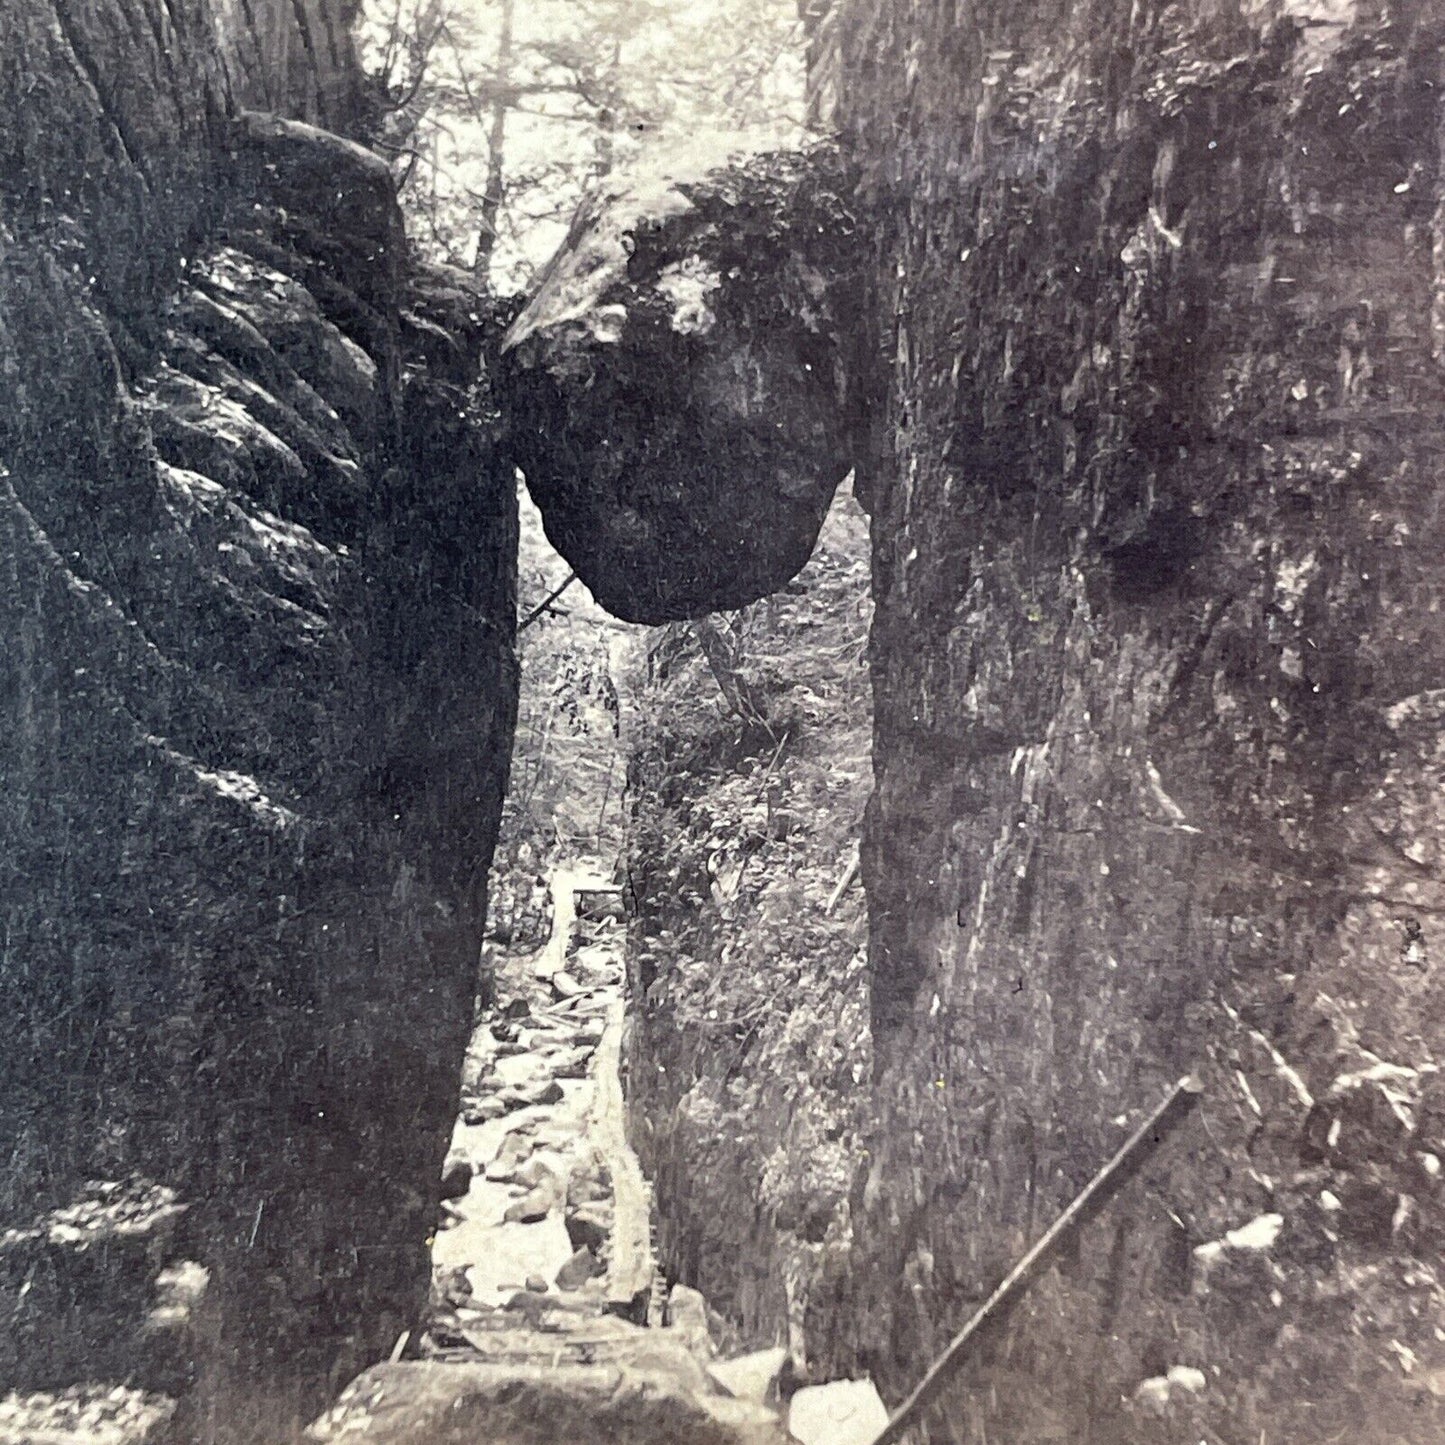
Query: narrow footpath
{"x":548,"y":1321}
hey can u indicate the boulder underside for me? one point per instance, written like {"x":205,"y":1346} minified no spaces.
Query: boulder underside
{"x":677,"y":389}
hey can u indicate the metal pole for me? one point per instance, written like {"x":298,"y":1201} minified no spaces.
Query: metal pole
{"x":1099,"y":1190}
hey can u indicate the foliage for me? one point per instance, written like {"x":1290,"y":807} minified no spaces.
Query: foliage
{"x":565,"y":796}
{"x":498,"y":115}
{"x":746,"y":938}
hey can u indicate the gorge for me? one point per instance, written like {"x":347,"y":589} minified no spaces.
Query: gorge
{"x":1127,"y":321}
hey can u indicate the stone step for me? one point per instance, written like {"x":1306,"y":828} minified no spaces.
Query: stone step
{"x":427,"y":1403}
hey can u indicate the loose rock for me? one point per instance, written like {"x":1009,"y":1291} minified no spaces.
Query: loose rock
{"x":424,"y":1402}
{"x":583,"y":1265}
{"x":483,"y":1111}
{"x":846,"y":1412}
{"x":750,"y":1377}
{"x":532,"y":1208}
{"x":589,"y":1227}
{"x":511,"y":1153}
{"x":456,"y":1178}
{"x":535,"y":1096}
{"x":687,"y":1315}
{"x":537,"y":1174}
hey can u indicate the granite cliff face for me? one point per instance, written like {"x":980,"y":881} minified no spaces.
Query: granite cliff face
{"x":1156,"y":667}
{"x":258,"y":592}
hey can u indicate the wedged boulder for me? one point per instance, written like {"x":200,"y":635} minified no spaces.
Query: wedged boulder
{"x":676,"y":388}
{"x":458,"y":1404}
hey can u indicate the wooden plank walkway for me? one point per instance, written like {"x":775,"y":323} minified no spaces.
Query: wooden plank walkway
{"x":631,"y":1266}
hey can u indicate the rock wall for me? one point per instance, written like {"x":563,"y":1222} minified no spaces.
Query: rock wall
{"x":293,"y":57}
{"x":747,"y":937}
{"x":259,"y":557}
{"x":1157,"y":670}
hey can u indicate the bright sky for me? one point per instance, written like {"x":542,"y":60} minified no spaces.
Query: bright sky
{"x":686,"y":66}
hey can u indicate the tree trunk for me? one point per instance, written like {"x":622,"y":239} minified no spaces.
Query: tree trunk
{"x":496,"y":190}
{"x":294,"y":57}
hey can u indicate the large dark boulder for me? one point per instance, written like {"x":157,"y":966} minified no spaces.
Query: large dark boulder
{"x":677,"y":390}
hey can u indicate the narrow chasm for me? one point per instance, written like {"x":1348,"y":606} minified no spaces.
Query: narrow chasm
{"x":814,"y":791}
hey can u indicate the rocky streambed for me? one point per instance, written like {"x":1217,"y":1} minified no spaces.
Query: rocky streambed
{"x":548,"y":1318}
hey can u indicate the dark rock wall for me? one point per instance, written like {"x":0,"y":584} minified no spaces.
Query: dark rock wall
{"x":258,"y":590}
{"x":1157,"y":666}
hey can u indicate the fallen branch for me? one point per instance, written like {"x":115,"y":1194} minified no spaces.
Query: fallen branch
{"x":542,"y":606}
{"x":1099,"y":1190}
{"x":849,"y":874}
{"x":736,"y":690}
